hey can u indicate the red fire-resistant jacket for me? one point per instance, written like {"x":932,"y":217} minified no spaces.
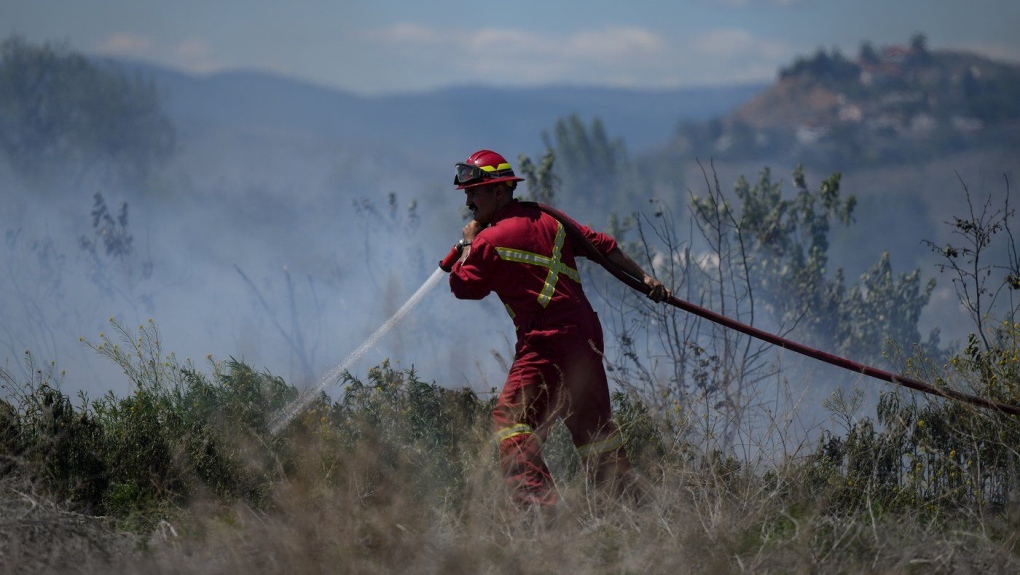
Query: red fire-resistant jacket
{"x":527,"y":258}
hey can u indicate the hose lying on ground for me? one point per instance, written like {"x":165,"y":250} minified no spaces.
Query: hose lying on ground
{"x":593,"y":254}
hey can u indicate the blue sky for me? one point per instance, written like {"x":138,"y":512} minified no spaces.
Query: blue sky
{"x":387,"y":46}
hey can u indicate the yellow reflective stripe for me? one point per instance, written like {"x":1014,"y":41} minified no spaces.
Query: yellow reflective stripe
{"x":524,"y":257}
{"x":570,"y":273}
{"x":554,"y":272}
{"x":607,"y":445}
{"x":514,"y":431}
{"x":499,"y":168}
{"x":553,"y":264}
{"x":509,"y":310}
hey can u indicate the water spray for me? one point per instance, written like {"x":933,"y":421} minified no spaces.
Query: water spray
{"x":331,"y":377}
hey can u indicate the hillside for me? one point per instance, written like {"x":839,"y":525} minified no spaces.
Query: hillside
{"x":915,"y":134}
{"x":891,"y":105}
{"x":450,"y":120}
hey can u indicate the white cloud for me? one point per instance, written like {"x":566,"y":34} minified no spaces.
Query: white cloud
{"x":615,"y":43}
{"x":193,"y":49}
{"x":726,"y":41}
{"x":497,"y":40}
{"x":1004,"y":52}
{"x":195,"y":55}
{"x":190,"y":54}
{"x":619,"y":55}
{"x":736,"y":43}
{"x":747,"y":3}
{"x":406,"y":34}
{"x":125,"y":44}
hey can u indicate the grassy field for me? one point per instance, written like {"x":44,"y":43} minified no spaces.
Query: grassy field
{"x":399,"y":475}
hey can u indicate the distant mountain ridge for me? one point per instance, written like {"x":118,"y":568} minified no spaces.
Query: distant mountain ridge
{"x":450,"y":120}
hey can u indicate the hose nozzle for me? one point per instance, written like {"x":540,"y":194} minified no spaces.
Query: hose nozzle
{"x":451,"y":258}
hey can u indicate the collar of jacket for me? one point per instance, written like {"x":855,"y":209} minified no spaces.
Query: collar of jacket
{"x":506,"y":211}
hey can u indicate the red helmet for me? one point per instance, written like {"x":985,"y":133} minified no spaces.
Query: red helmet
{"x":484,"y":167}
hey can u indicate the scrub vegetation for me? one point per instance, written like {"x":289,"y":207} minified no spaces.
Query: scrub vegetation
{"x":399,"y":473}
{"x":394,"y":471}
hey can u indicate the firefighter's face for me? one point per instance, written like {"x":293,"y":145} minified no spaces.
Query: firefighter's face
{"x":483,"y":201}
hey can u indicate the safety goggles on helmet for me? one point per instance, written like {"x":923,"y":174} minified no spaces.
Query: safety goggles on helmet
{"x":468,"y":174}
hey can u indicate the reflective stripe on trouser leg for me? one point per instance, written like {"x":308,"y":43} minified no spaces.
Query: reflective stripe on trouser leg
{"x":607,"y":463}
{"x":525,"y":474}
{"x":607,"y":445}
{"x":513,"y":431}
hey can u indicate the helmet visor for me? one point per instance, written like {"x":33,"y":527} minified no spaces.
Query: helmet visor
{"x":469,"y":174}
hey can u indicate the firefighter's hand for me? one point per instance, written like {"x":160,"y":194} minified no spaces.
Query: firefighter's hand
{"x":471,"y":230}
{"x":657,"y":291}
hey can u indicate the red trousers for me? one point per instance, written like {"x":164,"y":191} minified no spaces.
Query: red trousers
{"x":557,"y":373}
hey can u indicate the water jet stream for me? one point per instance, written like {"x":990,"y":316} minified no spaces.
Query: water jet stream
{"x":291,"y":411}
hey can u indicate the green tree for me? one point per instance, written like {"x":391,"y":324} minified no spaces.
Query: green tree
{"x":868,"y":55}
{"x":61,"y":113}
{"x":789,"y":245}
{"x":944,"y":457}
{"x":789,"y":260}
{"x":592,"y":168}
{"x":881,"y":308}
{"x":829,"y":68}
{"x":761,"y":258}
{"x":985,"y":284}
{"x":542,"y":182}
{"x":919,"y":44}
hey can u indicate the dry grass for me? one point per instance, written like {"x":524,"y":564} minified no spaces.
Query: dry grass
{"x":694,"y":520}
{"x":400,"y":477}
{"x":38,"y":535}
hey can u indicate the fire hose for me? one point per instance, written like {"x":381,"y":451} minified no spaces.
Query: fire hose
{"x":593,"y":254}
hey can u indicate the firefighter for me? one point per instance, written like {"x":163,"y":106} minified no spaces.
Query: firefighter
{"x":526,"y":257}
